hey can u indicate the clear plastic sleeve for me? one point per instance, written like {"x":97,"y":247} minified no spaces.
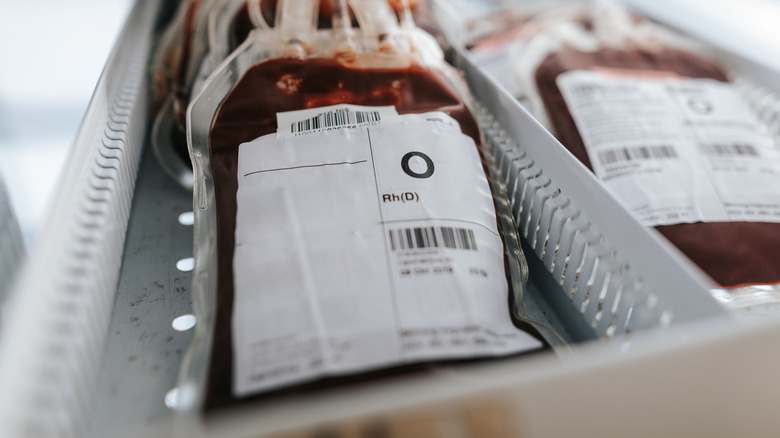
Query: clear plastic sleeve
{"x":559,"y":54}
{"x":392,"y":71}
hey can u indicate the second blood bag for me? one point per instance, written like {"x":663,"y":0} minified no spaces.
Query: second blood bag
{"x":666,"y":130}
{"x":346,"y":223}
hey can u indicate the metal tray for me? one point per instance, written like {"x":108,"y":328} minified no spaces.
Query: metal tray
{"x":90,"y":346}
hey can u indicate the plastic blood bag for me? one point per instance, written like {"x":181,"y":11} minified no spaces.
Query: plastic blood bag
{"x":352,"y":228}
{"x":666,"y":130}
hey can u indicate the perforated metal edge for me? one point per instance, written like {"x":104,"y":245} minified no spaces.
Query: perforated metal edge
{"x":57,"y":316}
{"x":588,"y":270}
{"x":12,"y":251}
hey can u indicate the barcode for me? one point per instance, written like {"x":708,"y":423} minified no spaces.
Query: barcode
{"x":334,"y":119}
{"x":432,"y":237}
{"x":636,"y":153}
{"x":730,"y":150}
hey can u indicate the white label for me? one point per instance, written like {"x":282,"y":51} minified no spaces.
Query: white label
{"x":362,"y":248}
{"x":329,"y":118}
{"x":675,"y":150}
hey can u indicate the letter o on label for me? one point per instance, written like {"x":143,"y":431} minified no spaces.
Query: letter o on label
{"x":428,"y":165}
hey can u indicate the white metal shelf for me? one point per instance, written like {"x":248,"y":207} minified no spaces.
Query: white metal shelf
{"x":104,"y":361}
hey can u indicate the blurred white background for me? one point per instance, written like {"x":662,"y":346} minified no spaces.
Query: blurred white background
{"x":52,"y":53}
